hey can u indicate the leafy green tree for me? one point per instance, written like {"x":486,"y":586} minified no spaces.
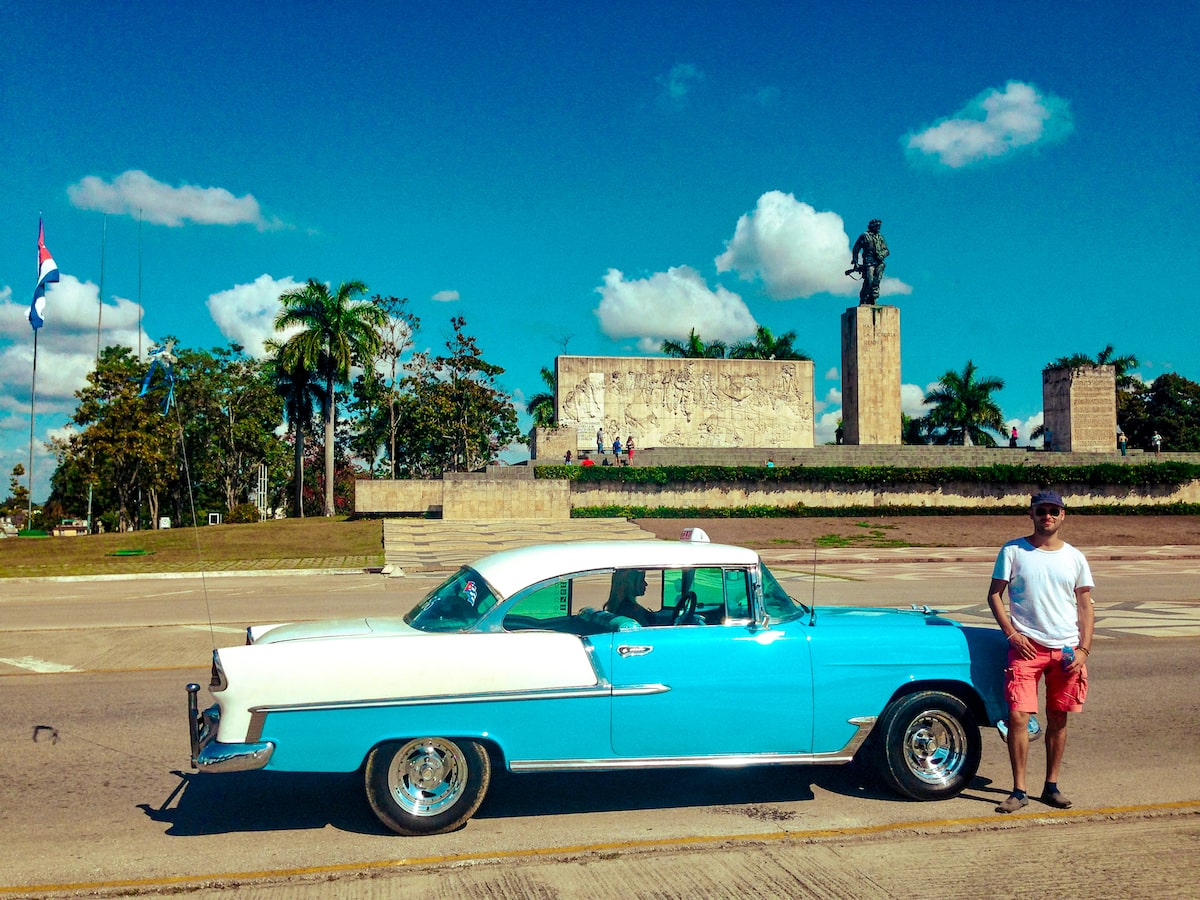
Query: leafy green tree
{"x":767,"y":346}
{"x":18,"y":494}
{"x":375,"y":394}
{"x":338,"y":331}
{"x":230,"y":411}
{"x":452,"y":413}
{"x":541,"y":405}
{"x":963,"y":408}
{"x":694,"y":348}
{"x":296,"y":385}
{"x":1170,"y":405}
{"x":914,"y":429}
{"x":124,"y":441}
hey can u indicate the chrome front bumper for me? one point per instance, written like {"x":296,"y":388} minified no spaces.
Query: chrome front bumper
{"x":209,"y":754}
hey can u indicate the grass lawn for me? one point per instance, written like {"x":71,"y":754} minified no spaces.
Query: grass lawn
{"x":283,"y":544}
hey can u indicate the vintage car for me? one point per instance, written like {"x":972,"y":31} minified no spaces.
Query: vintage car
{"x":601,"y":656}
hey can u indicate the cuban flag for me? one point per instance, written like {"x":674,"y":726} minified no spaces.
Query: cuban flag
{"x":47,"y":272}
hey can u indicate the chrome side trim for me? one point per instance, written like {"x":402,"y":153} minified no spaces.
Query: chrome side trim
{"x":599,"y":690}
{"x":723,"y":760}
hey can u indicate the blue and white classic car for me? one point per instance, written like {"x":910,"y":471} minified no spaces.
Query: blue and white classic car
{"x":600,"y":656}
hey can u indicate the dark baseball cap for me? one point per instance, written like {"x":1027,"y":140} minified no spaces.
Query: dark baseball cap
{"x":1050,"y":498}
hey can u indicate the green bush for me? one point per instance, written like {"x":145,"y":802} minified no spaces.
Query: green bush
{"x":1151,"y":474}
{"x":243,"y":514}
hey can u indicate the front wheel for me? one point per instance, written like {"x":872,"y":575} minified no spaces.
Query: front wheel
{"x":928,"y":745}
{"x":429,"y":785}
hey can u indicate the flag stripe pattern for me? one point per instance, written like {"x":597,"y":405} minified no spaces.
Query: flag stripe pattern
{"x":47,"y":272}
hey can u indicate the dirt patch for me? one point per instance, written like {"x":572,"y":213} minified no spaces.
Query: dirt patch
{"x":932,"y":531}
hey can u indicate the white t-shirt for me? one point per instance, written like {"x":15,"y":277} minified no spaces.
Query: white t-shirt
{"x":1041,"y":590}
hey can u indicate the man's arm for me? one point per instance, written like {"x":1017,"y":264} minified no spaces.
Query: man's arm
{"x":1087,"y":621}
{"x":1016,"y":640}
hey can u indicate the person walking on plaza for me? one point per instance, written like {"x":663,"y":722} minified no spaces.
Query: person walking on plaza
{"x":1048,"y":623}
{"x":1156,"y":443}
{"x":600,"y":440}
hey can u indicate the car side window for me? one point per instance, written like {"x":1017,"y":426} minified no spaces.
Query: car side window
{"x":540,"y":606}
{"x":711,"y":587}
{"x":737,"y":594}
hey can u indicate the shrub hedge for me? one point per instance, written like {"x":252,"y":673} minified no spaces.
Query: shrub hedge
{"x":1172,"y":474}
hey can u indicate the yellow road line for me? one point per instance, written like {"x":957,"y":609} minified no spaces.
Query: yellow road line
{"x":543,"y":852}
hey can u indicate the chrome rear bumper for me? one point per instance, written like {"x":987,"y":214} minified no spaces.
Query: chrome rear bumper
{"x":209,"y":754}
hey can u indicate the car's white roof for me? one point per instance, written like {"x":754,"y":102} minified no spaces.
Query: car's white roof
{"x":510,"y":570}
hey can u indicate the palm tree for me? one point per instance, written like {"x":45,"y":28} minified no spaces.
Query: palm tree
{"x":301,"y":394}
{"x":541,"y":404}
{"x":766,"y":346}
{"x":338,"y":331}
{"x":1121,"y":365}
{"x":963,"y":408}
{"x":694,"y":348}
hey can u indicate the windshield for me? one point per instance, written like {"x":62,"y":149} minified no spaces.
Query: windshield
{"x":455,"y":605}
{"x":778,"y":604}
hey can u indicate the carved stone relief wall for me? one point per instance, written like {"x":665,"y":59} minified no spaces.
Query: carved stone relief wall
{"x":667,"y":402}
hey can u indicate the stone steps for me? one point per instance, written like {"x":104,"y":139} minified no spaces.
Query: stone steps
{"x":434,"y":545}
{"x":904,"y":456}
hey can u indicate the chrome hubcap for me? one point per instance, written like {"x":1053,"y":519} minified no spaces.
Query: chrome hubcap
{"x":935,"y":747}
{"x":427,"y":776}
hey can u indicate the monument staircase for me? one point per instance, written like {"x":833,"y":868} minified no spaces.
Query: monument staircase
{"x":414,"y":545}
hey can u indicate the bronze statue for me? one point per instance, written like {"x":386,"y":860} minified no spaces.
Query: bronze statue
{"x":874,"y":250}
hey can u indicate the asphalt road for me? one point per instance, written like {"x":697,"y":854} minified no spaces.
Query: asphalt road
{"x":97,"y":797}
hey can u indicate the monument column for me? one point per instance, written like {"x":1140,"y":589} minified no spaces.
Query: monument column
{"x":871,"y":374}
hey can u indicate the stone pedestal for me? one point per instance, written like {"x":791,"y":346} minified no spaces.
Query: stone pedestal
{"x":1080,"y":409}
{"x":871,"y":375}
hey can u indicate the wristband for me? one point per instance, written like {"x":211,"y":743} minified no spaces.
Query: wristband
{"x":1084,"y":649}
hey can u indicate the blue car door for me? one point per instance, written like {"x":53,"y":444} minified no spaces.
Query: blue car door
{"x":713,"y":689}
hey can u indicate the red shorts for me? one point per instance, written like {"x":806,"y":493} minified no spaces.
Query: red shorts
{"x":1065,"y":691}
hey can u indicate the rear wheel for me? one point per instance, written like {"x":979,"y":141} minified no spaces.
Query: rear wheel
{"x":427,"y":786}
{"x":927,"y":745}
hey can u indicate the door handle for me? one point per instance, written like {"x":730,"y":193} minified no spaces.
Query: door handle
{"x":633,"y":650}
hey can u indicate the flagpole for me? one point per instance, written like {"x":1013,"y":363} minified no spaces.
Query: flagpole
{"x":32,"y":398}
{"x":139,"y":285}
{"x":100,"y":311}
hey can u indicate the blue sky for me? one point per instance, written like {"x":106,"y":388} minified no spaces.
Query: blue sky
{"x":602,"y":177}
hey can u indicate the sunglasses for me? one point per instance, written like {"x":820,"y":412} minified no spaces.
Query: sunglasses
{"x":1047,"y":511}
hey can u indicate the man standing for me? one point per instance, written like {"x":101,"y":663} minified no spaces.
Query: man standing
{"x":874,"y":251}
{"x":1049,"y":628}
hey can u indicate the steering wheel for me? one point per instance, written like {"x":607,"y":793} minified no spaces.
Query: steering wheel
{"x":686,"y":607}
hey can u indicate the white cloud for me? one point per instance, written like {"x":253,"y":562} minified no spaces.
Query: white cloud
{"x":134,"y":193}
{"x":445,"y":296}
{"x":246,"y":312}
{"x":678,"y":84}
{"x":66,"y":344}
{"x":912,"y":399}
{"x":992,"y":125}
{"x":669,"y":305}
{"x":794,"y":250}
{"x":832,"y":374}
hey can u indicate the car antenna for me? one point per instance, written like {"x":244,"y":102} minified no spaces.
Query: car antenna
{"x":812,"y":610}
{"x":187,"y":475}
